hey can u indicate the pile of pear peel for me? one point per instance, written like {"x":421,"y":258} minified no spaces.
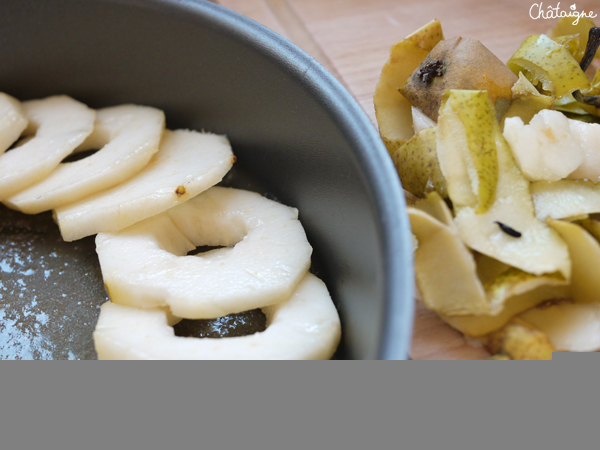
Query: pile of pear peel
{"x":501,"y":168}
{"x":149,"y":196}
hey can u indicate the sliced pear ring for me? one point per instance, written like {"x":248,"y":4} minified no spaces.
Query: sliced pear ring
{"x":127,"y":136}
{"x":307,"y":326}
{"x":60,"y":124}
{"x":266,"y":255}
{"x":12,"y":121}
{"x":187,"y":163}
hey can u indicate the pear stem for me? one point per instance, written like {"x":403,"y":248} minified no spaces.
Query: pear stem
{"x":590,"y":51}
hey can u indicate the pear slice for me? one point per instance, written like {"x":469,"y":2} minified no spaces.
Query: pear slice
{"x":571,"y":327}
{"x":392,"y":110}
{"x":187,"y":163}
{"x":60,"y":124}
{"x":466,"y":148}
{"x":508,"y":229}
{"x":545,"y":149}
{"x":127,"y":136}
{"x":307,"y":326}
{"x":12,"y":121}
{"x":266,"y":255}
{"x":549,"y":65}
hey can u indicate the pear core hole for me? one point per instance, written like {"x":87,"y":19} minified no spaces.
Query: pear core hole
{"x":204,"y":249}
{"x":78,"y":156}
{"x":232,"y":325}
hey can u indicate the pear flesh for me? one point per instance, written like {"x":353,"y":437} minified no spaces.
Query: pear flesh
{"x":187,"y":163}
{"x":12,"y":121}
{"x":265,"y":255}
{"x":545,"y":149}
{"x":60,"y":124}
{"x":306,"y":326}
{"x":127,"y":136}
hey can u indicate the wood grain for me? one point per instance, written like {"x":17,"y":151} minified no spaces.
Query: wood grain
{"x":352,"y":38}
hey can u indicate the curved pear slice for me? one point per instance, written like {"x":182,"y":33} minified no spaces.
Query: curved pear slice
{"x":187,"y":163}
{"x":12,"y":121}
{"x":571,"y":327}
{"x":60,"y":125}
{"x":127,"y":136}
{"x":307,"y":326}
{"x":269,"y":257}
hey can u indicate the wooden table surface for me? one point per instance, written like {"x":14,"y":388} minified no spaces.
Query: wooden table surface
{"x":352,"y":38}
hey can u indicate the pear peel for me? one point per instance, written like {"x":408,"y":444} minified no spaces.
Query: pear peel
{"x":266,"y":255}
{"x":60,"y":124}
{"x":459,"y":63}
{"x":127,"y":135}
{"x":392,"y":110}
{"x":12,"y":121}
{"x":550,"y":65}
{"x":445,"y":269}
{"x":539,"y":249}
{"x":571,"y":327}
{"x":306,"y":326}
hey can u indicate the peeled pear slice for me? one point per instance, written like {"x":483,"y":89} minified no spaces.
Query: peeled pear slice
{"x":392,"y":110}
{"x":12,"y":121}
{"x":545,"y":149}
{"x":127,"y":136}
{"x":564,"y":199}
{"x":571,"y":327}
{"x":549,"y":65}
{"x":306,"y":326}
{"x":466,"y":148}
{"x":60,"y":124}
{"x":266,"y":255}
{"x":585,"y":259}
{"x":187,"y":163}
{"x":508,"y":230}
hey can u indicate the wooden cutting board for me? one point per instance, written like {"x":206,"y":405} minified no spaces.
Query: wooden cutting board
{"x":352,"y":38}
